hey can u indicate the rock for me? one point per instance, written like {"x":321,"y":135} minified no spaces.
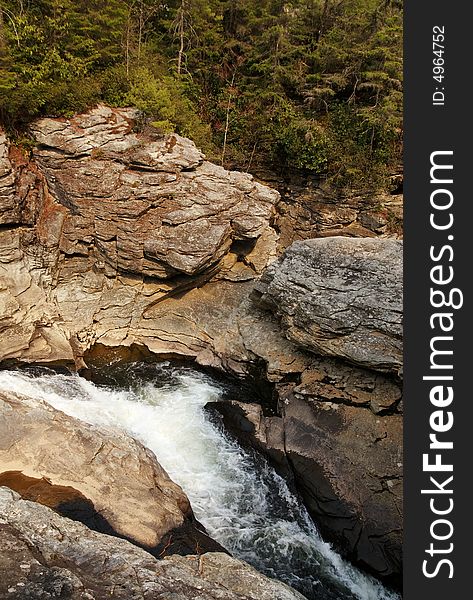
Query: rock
{"x":310,"y":209}
{"x":9,"y":206}
{"x":105,"y":479}
{"x":28,"y":320}
{"x":128,"y":244}
{"x":20,"y":186}
{"x":335,"y":382}
{"x":266,"y":434}
{"x":340,"y":297}
{"x":348,"y":466}
{"x":346,"y":459}
{"x":113,"y":216}
{"x":142,"y":203}
{"x":45,"y":556}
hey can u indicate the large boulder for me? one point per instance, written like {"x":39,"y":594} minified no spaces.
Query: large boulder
{"x":347,"y":463}
{"x":105,"y":479}
{"x":340,"y":297}
{"x":143,"y":203}
{"x":46,"y":557}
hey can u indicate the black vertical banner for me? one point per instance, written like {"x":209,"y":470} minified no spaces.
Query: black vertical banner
{"x":437,"y":303}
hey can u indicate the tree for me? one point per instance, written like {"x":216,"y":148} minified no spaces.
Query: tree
{"x":304,"y":84}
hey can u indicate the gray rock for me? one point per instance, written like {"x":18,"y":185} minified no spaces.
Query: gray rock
{"x":45,"y":557}
{"x":340,"y":297}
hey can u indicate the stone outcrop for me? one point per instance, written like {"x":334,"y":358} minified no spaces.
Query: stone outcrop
{"x":312,"y":208}
{"x":46,"y":557}
{"x":348,"y":466}
{"x":9,"y":209}
{"x":102,"y":215}
{"x":251,"y":426}
{"x":107,"y":480}
{"x":144,"y":204}
{"x":340,"y":297}
{"x":115,"y":238}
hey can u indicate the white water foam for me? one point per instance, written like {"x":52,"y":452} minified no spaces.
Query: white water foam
{"x":243,"y":503}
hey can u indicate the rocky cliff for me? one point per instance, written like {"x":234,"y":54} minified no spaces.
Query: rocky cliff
{"x":114,"y":238}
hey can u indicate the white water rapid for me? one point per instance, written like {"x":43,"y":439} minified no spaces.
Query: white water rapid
{"x":243,"y":503}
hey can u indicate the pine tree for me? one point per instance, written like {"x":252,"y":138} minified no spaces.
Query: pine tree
{"x":306,"y":84}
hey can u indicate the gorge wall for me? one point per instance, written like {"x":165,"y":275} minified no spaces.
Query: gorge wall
{"x":115,"y":238}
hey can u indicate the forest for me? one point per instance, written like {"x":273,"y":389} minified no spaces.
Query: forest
{"x":311,"y":85}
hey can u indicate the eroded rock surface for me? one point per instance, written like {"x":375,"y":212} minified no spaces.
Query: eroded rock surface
{"x":46,"y":557}
{"x":340,"y":297}
{"x":120,"y":239}
{"x":311,"y":209}
{"x":338,"y":454}
{"x":104,"y":217}
{"x":109,"y":480}
{"x":141,"y":203}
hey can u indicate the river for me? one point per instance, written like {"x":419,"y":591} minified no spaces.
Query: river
{"x":240,"y":499}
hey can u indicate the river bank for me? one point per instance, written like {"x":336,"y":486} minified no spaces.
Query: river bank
{"x":124,"y":244}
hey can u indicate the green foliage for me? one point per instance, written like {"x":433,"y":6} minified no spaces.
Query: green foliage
{"x":163,"y":103}
{"x":153,"y":99}
{"x":306,"y":84}
{"x":57,"y":51}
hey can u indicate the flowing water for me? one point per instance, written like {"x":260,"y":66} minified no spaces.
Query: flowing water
{"x":243,"y":503}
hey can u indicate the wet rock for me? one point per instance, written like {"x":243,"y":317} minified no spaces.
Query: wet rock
{"x":45,"y":557}
{"x":266,"y":434}
{"x":105,"y":479}
{"x":348,"y":465}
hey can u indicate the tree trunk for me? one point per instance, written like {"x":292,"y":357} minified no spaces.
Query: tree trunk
{"x":227,"y":119}
{"x":181,"y":32}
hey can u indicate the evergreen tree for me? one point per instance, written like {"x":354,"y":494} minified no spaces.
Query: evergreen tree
{"x":307,"y":84}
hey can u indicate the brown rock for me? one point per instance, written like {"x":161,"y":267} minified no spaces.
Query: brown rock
{"x":251,"y":427}
{"x":109,"y":481}
{"x":142,"y":203}
{"x":9,"y":205}
{"x":311,"y":209}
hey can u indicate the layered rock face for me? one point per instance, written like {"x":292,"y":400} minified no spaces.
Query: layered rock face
{"x":114,"y":238}
{"x":109,"y":481}
{"x":340,"y":297}
{"x":153,"y":206}
{"x":311,"y":209}
{"x":46,"y":557}
{"x":114,"y":212}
